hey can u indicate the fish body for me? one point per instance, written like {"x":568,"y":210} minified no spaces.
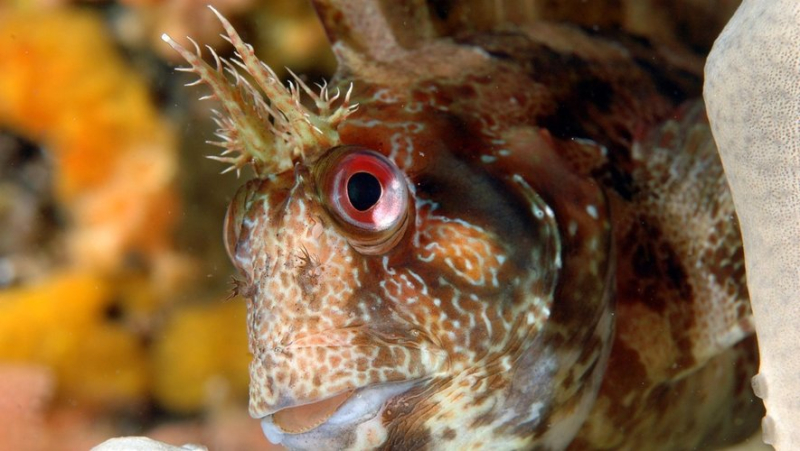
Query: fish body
{"x":520,"y":239}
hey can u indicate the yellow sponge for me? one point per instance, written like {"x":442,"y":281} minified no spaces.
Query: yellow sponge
{"x":60,"y":323}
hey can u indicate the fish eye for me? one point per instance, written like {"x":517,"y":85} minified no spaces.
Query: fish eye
{"x":368,"y":196}
{"x":363,"y":190}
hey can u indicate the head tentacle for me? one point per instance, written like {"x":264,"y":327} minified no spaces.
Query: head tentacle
{"x":263,"y":123}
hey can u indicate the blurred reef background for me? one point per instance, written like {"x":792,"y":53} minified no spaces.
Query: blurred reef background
{"x":115,"y":317}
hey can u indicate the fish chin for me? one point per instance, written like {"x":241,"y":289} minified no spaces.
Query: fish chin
{"x":354,"y":425}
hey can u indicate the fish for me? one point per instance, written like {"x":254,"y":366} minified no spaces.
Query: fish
{"x":507,"y":237}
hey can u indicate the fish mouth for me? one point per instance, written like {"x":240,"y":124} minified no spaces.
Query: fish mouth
{"x":306,"y":425}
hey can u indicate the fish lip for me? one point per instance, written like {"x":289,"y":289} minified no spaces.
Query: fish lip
{"x":420,"y":359}
{"x":363,"y":405}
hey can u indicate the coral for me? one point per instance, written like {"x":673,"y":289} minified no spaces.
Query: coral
{"x":143,"y":444}
{"x":752,"y":92}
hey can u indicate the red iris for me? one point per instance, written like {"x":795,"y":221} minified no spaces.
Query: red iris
{"x":368,"y":195}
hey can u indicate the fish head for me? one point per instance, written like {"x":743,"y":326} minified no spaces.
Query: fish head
{"x":419,"y":271}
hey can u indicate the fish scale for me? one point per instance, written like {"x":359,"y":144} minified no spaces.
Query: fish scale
{"x":535,"y":273}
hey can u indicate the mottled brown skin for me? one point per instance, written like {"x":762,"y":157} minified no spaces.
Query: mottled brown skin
{"x":569,"y":272}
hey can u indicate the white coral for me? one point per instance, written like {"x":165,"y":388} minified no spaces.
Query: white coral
{"x":143,"y":444}
{"x":752,"y":93}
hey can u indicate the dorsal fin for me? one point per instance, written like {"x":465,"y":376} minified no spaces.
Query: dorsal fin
{"x":379,"y":30}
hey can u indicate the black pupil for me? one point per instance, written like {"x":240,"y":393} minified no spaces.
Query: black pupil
{"x":363,"y":190}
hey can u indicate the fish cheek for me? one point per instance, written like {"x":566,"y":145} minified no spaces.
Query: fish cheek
{"x":560,"y":365}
